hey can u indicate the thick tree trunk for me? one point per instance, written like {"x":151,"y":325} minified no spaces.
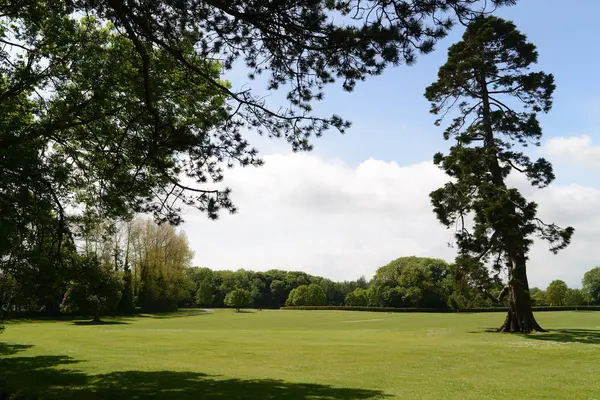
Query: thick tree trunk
{"x":520,"y":316}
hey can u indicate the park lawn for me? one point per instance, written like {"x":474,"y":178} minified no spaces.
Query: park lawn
{"x":304,"y":355}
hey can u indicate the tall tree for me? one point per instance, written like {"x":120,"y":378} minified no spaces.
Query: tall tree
{"x":487,"y":83}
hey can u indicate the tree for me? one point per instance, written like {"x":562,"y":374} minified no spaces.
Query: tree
{"x":238,"y":298}
{"x":307,"y":295}
{"x":484,"y":81}
{"x":278,"y":291}
{"x":591,"y":285}
{"x":538,"y":297}
{"x":359,"y":297}
{"x":94,"y":289}
{"x":411,"y":282}
{"x":574,"y":298}
{"x":160,"y":258}
{"x":556,"y":292}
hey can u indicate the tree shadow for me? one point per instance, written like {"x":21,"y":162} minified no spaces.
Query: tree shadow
{"x":174,"y":314}
{"x":585,"y":336}
{"x":49,"y":377}
{"x":102,"y":322}
{"x":7,"y":349}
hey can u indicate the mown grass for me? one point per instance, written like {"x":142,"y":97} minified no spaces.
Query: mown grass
{"x":304,"y":355}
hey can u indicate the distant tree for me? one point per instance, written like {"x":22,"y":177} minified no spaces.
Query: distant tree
{"x":591,"y":285}
{"x":411,"y":281}
{"x":161,"y":256}
{"x":278,"y":291}
{"x":556,"y":292}
{"x":487,"y":86}
{"x":359,"y":297}
{"x":203,"y":286}
{"x":307,"y":295}
{"x":538,"y":297}
{"x":574,"y":297}
{"x":238,"y":298}
{"x":204,"y":294}
{"x":94,"y":289}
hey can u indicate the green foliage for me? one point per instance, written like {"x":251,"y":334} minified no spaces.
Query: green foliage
{"x":556,"y":292}
{"x":574,"y":297}
{"x":93,"y":290}
{"x":238,"y":298}
{"x":162,"y":256}
{"x":411,"y":282}
{"x":359,"y":297}
{"x":591,"y":285}
{"x":307,"y":295}
{"x":538,"y":297}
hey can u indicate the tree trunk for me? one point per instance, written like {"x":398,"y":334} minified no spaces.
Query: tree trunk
{"x":520,"y":316}
{"x":97,"y":315}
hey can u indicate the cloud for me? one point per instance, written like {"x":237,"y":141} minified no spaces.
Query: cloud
{"x":303,"y":212}
{"x":579,"y":150}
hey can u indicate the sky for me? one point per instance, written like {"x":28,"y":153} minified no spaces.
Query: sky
{"x":360,"y":200}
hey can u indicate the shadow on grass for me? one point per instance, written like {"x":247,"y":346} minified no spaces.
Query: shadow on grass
{"x":46,"y":377}
{"x":102,"y":322}
{"x":7,"y":349}
{"x":585,"y":336}
{"x":174,"y":314}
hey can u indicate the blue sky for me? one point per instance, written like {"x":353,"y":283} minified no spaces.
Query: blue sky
{"x":390,"y":116}
{"x":360,"y":200}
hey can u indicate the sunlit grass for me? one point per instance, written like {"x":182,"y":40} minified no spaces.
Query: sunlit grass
{"x":305,"y":354}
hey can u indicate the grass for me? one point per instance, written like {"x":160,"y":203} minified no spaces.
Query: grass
{"x":304,"y":355}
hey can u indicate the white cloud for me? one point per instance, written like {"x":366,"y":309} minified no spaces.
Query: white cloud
{"x":576,"y":149}
{"x":302,"y":212}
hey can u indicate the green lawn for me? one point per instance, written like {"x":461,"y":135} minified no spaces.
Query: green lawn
{"x":304,"y":355}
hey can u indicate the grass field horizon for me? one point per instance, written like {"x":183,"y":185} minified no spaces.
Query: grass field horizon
{"x":303,"y":355}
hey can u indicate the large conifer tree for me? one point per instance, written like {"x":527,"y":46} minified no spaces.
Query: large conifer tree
{"x":495,"y":99}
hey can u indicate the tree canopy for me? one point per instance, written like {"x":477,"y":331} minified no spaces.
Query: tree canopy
{"x":495,"y":100}
{"x":238,"y":298}
{"x":591,"y":285}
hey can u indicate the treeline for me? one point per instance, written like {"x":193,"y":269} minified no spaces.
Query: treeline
{"x":119,"y":268}
{"x":108,"y":267}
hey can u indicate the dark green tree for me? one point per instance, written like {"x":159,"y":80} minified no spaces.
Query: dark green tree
{"x":495,"y":99}
{"x":94,"y":289}
{"x":238,"y":298}
{"x":591,"y":285}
